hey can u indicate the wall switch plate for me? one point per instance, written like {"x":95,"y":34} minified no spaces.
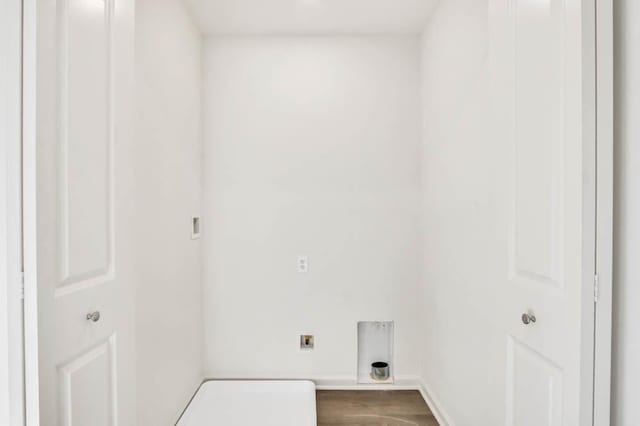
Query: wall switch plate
{"x":306,"y":342}
{"x":303,"y":264}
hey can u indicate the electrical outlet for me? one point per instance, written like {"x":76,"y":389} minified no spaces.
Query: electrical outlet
{"x":303,"y":264}
{"x":306,"y":342}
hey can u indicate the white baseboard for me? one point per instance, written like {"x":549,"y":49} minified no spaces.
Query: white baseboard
{"x":435,"y":405}
{"x":351,"y":383}
{"x":402,"y":382}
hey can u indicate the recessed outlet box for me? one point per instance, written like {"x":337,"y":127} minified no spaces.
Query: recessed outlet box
{"x":195,"y":227}
{"x":306,"y":342}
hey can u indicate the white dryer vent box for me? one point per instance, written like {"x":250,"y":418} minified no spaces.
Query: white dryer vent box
{"x":375,"y":344}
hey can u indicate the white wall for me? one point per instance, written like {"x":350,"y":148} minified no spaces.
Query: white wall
{"x":168,"y":178}
{"x":626,"y":338}
{"x":463,"y":361}
{"x":311,"y":148}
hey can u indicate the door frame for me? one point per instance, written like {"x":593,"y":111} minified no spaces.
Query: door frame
{"x":29,"y":217}
{"x":603,"y":290}
{"x":11,"y":338}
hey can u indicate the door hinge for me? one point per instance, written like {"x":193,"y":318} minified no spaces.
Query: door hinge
{"x":596,"y":288}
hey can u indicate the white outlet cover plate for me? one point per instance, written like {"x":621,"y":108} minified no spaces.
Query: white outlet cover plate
{"x":303,"y":264}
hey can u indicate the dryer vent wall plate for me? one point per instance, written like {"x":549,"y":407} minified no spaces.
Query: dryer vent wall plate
{"x":375,"y":345}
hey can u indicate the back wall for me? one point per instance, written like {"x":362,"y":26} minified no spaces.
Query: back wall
{"x":311,"y":148}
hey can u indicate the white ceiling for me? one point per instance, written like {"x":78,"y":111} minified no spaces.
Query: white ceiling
{"x":317,"y":17}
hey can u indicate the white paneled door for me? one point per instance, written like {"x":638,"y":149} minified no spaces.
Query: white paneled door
{"x":543,"y":62}
{"x":78,"y":97}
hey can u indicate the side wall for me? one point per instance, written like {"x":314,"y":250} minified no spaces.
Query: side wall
{"x":311,"y":148}
{"x":463,"y":356}
{"x":626,"y":337}
{"x":168,"y":178}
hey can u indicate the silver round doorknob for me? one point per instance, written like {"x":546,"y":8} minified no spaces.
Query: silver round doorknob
{"x":528,"y":318}
{"x":93,"y":316}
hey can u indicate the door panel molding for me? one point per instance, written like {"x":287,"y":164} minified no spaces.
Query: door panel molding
{"x":105,"y":352}
{"x":542,"y":376}
{"x":537,"y":193}
{"x":86,"y":194}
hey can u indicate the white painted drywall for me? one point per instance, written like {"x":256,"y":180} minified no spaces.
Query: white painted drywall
{"x":626,"y":333}
{"x":168,"y":189}
{"x":463,"y":361}
{"x":311,"y":148}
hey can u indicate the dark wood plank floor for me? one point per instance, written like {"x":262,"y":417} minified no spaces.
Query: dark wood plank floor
{"x":373,"y":408}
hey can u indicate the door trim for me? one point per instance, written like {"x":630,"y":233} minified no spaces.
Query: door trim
{"x":29,"y":158}
{"x":604,"y":212}
{"x":598,"y":137}
{"x":11,"y":335}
